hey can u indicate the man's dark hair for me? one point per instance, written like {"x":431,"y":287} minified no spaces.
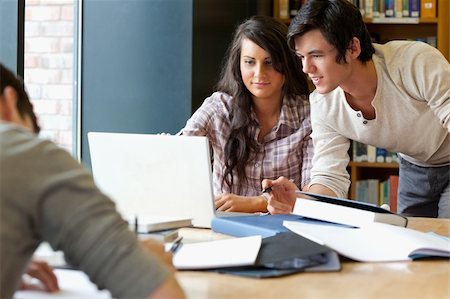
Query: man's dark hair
{"x":338,"y":21}
{"x":24,"y":106}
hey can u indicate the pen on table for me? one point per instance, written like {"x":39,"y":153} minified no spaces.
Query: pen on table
{"x":176,"y":244}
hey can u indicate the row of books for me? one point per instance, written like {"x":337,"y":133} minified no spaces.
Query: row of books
{"x":375,"y":9}
{"x":397,"y":8}
{"x":378,"y":192}
{"x":369,"y":153}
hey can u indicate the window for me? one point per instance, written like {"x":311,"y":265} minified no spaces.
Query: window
{"x":50,"y":67}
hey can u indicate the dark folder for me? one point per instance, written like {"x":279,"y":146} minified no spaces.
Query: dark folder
{"x":283,"y":254}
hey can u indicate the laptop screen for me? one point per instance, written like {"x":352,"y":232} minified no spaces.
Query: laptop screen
{"x":148,"y":175}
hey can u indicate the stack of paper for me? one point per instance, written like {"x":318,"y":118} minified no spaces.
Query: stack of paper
{"x":218,"y":254}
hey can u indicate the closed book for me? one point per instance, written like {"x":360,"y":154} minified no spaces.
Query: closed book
{"x":376,"y":8}
{"x":398,"y":10}
{"x":359,"y":151}
{"x":368,"y":8}
{"x":371,"y":153}
{"x":163,"y":236}
{"x":243,"y":226}
{"x":381,"y":155}
{"x":390,"y":8}
{"x":344,"y":211}
{"x":147,"y":224}
{"x":428,"y":9}
{"x":393,"y":189}
{"x":406,"y":8}
{"x":414,"y":8}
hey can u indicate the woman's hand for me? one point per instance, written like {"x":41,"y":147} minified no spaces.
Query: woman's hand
{"x":229,"y":202}
{"x":281,"y":199}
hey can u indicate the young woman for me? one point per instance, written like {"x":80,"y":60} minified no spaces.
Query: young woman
{"x":257,"y":121}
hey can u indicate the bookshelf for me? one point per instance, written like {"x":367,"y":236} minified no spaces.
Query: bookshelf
{"x":369,"y":170}
{"x":386,"y":29}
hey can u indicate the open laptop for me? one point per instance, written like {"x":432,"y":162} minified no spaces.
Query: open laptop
{"x":155,"y":175}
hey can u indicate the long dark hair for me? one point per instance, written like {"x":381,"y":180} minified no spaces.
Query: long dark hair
{"x":338,"y":21}
{"x":270,"y":35}
{"x":24,"y":106}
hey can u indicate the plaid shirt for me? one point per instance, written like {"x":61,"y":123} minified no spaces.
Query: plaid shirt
{"x":286,"y":151}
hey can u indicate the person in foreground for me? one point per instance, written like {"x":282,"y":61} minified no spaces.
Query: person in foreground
{"x":45,"y":195}
{"x":257,"y":122}
{"x":394,"y":96}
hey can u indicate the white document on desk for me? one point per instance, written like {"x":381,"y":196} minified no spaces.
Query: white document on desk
{"x":73,"y":284}
{"x":377,"y":242}
{"x":218,"y":254}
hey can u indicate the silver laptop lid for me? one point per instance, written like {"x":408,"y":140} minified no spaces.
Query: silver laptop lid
{"x":160,"y":175}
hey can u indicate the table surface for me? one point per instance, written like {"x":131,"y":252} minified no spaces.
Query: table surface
{"x":416,"y":279}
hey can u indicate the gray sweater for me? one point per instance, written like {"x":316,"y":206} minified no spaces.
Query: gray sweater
{"x":45,"y":195}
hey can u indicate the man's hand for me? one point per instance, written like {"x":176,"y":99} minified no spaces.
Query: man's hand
{"x":158,"y":249}
{"x":43,"y":273}
{"x":281,"y":199}
{"x":228,"y":202}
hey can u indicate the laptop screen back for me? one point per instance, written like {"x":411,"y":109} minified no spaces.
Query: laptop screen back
{"x":160,"y":175}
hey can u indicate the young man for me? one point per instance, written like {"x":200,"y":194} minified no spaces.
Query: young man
{"x":395,"y":96}
{"x":45,"y":195}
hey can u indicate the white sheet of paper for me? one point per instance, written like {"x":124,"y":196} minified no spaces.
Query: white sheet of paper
{"x":217,"y":254}
{"x":374,"y":243}
{"x":73,"y":284}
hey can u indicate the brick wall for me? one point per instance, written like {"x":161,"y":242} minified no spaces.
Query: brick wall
{"x":49,"y":62}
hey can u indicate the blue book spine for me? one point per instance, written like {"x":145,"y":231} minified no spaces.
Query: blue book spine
{"x":390,"y":8}
{"x":244,"y":226}
{"x":414,"y":8}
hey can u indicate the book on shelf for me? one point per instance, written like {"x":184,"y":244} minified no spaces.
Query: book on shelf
{"x":414,"y":8}
{"x":343,"y":211}
{"x":381,"y":154}
{"x":398,"y":10}
{"x":294,"y":6}
{"x":405,"y":8}
{"x":428,"y":9}
{"x":376,"y":8}
{"x":390,"y":8}
{"x":368,"y":191}
{"x":393,"y":190}
{"x":283,"y":9}
{"x":368,"y":8}
{"x":359,"y":151}
{"x":369,"y":153}
{"x":382,"y":8}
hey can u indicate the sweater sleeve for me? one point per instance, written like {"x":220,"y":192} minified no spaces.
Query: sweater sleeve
{"x":330,"y":153}
{"x":70,"y":213}
{"x":427,"y":72}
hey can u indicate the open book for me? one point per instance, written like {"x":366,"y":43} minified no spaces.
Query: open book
{"x":343,"y":211}
{"x":377,"y":242}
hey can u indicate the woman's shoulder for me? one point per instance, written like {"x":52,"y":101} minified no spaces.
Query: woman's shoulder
{"x":297,"y":102}
{"x":218,"y":102}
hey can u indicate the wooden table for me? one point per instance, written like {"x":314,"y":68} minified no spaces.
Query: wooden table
{"x":418,"y":279}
